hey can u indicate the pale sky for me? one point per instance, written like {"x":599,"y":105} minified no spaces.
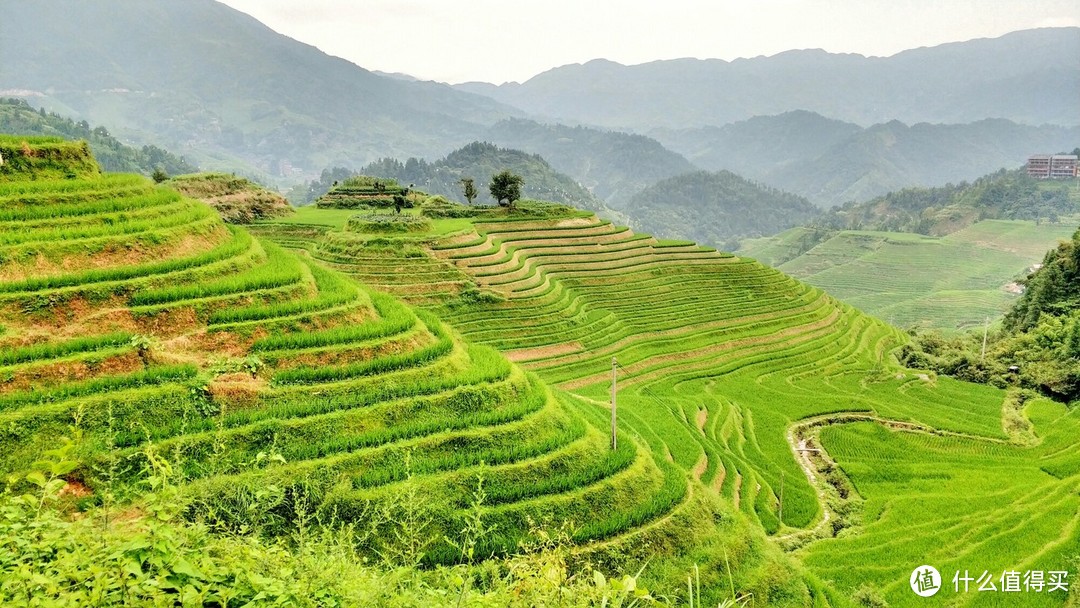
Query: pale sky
{"x":504,"y":40}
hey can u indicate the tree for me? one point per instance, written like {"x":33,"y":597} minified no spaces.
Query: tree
{"x":469,"y":189}
{"x":159,"y":175}
{"x":1072,"y":346}
{"x":506,"y":186}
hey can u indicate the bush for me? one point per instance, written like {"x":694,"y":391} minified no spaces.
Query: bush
{"x":387,"y":224}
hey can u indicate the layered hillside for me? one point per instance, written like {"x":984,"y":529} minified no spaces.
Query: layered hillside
{"x":758,"y":388}
{"x":135,"y":321}
{"x":716,"y":208}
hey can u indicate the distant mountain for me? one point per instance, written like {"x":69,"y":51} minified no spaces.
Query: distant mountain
{"x":831,"y":162}
{"x":716,"y":208}
{"x":612,"y":165}
{"x":1030,"y":77}
{"x":18,"y":118}
{"x":219,"y":87}
{"x":480,"y":161}
{"x":760,"y":146}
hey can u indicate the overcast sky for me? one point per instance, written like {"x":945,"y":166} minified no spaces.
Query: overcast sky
{"x":503,"y":40}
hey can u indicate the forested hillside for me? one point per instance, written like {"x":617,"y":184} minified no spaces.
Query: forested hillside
{"x":716,"y":208}
{"x":612,"y":165}
{"x":1006,"y":194}
{"x":1038,"y":347}
{"x":215,"y":85}
{"x":17,"y":116}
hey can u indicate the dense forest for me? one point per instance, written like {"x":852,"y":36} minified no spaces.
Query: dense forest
{"x":716,"y":208}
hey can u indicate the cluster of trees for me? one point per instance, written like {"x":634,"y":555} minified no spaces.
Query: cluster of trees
{"x":1038,"y":347}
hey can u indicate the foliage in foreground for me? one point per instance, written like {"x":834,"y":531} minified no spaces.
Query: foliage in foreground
{"x":146,"y":555}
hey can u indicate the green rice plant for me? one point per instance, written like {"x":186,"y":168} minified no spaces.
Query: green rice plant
{"x":334,"y":290}
{"x":393,"y":319}
{"x":148,"y":377}
{"x":188,"y":215}
{"x":280,"y":269}
{"x":122,"y":201}
{"x":240,"y":242}
{"x":53,"y":350}
{"x":381,"y":365}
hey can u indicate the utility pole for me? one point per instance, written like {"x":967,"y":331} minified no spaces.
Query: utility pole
{"x":781,"y":516}
{"x":614,"y":441}
{"x":986,"y":330}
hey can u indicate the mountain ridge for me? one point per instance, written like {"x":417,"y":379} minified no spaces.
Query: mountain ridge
{"x":926,"y":84}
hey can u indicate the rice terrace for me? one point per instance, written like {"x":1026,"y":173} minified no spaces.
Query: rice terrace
{"x":260,"y":385}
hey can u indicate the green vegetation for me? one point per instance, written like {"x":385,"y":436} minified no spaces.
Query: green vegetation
{"x":1038,"y":345}
{"x":18,"y":117}
{"x":388,"y":223}
{"x":428,"y":410}
{"x":506,"y":186}
{"x":283,"y":394}
{"x":910,"y":280}
{"x":482,"y":161}
{"x":725,"y":367}
{"x":716,"y":208}
{"x":238,"y":200}
{"x":365,"y":192}
{"x":44,"y":158}
{"x":1010,"y":195}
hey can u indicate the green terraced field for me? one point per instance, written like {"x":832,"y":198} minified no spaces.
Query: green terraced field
{"x":351,"y":369}
{"x":734,"y":375}
{"x":910,"y":280}
{"x":135,"y":317}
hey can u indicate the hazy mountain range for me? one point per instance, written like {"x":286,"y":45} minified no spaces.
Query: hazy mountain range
{"x":831,"y":162}
{"x":1031,"y":77}
{"x":221,"y":88}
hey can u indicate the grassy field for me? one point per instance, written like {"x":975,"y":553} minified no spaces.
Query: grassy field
{"x":909,"y":280}
{"x":726,"y":367}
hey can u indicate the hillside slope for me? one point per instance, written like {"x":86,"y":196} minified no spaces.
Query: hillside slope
{"x":217,"y":86}
{"x":716,"y":208}
{"x":137,"y":315}
{"x":951,"y":282}
{"x":1021,"y":76}
{"x":612,"y":165}
{"x":759,"y":388}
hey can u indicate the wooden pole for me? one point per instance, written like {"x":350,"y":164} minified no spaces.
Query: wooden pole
{"x":986,"y":330}
{"x":781,"y":515}
{"x":614,"y":441}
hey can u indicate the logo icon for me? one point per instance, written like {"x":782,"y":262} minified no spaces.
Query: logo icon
{"x":925,"y":581}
